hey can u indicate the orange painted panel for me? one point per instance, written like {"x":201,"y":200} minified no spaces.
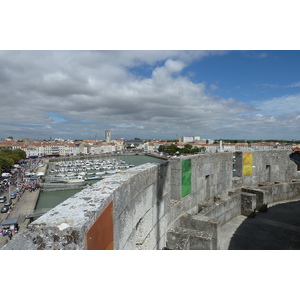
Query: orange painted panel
{"x":100,"y":236}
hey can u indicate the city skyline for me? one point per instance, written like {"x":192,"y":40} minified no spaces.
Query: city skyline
{"x":150,"y":94}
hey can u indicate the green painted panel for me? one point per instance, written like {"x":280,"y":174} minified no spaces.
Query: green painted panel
{"x":186,"y":176}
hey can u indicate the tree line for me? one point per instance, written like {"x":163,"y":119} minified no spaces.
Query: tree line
{"x":9,"y":157}
{"x":187,"y":149}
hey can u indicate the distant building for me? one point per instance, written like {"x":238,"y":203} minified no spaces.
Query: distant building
{"x":107,"y":136}
{"x":189,"y":139}
{"x":209,"y":141}
{"x":134,"y":144}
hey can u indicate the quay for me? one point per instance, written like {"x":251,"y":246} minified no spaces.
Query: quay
{"x":37,"y":213}
{"x":23,"y":207}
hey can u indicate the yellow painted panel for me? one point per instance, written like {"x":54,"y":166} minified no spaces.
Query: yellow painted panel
{"x":247,"y":163}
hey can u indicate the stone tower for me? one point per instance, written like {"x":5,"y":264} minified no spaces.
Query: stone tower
{"x":107,"y":136}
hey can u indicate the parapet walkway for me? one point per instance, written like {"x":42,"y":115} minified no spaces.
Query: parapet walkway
{"x":277,"y":229}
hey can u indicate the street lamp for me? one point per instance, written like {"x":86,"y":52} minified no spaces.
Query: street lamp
{"x":9,"y":183}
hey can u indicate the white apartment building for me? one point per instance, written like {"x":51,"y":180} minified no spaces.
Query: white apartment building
{"x":31,"y":151}
{"x":211,"y":148}
{"x":152,"y":146}
{"x":100,"y":149}
{"x":189,"y":139}
{"x":68,"y":150}
{"x":52,"y":149}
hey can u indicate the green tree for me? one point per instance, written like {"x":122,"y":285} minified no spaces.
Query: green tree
{"x":195,"y":150}
{"x":5,"y":151}
{"x":6,"y":162}
{"x":161,"y":148}
{"x":187,"y":149}
{"x":20,"y":153}
{"x":14,"y":157}
{"x":172,"y":149}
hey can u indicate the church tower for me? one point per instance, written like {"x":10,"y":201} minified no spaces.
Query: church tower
{"x":108,"y":136}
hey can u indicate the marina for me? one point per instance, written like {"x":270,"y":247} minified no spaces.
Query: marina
{"x":65,"y":178}
{"x":67,"y":173}
{"x":88,"y":167}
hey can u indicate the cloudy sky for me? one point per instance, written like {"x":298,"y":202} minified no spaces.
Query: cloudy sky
{"x":150,"y":94}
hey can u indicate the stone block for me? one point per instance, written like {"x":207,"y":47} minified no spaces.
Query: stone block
{"x":202,"y":224}
{"x":248,"y":203}
{"x":177,"y":239}
{"x":200,"y":241}
{"x":260,"y":196}
{"x":187,"y":239}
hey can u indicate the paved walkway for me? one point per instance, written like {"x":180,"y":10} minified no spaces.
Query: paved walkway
{"x":277,"y":229}
{"x":23,"y":206}
{"x":228,"y":230}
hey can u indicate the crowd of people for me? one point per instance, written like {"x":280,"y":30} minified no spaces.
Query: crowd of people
{"x":8,"y":233}
{"x":19,"y":182}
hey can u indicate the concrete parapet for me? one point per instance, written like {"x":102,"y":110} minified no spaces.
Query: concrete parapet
{"x":283,"y":191}
{"x":188,"y":239}
{"x":137,"y":198}
{"x":260,"y":196}
{"x":202,"y":224}
{"x":224,"y":210}
{"x":248,"y":203}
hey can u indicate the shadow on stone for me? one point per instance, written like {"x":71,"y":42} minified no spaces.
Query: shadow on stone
{"x":277,"y":229}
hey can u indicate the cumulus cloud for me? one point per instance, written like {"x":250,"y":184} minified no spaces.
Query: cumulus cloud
{"x":279,"y":106}
{"x":79,"y":94}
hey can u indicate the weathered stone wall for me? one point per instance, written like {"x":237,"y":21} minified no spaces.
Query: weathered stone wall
{"x":268,"y":166}
{"x":149,"y":212}
{"x":141,"y":206}
{"x":224,"y":197}
{"x":211,"y":179}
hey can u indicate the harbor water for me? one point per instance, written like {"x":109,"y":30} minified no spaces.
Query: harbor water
{"x":50,"y":199}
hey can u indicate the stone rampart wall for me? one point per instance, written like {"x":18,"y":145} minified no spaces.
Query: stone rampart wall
{"x":154,"y":205}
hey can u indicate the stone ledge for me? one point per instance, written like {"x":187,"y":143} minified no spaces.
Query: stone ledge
{"x":188,"y":239}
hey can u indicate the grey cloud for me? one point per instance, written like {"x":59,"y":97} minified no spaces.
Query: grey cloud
{"x":63,"y":85}
{"x":98,"y":86}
